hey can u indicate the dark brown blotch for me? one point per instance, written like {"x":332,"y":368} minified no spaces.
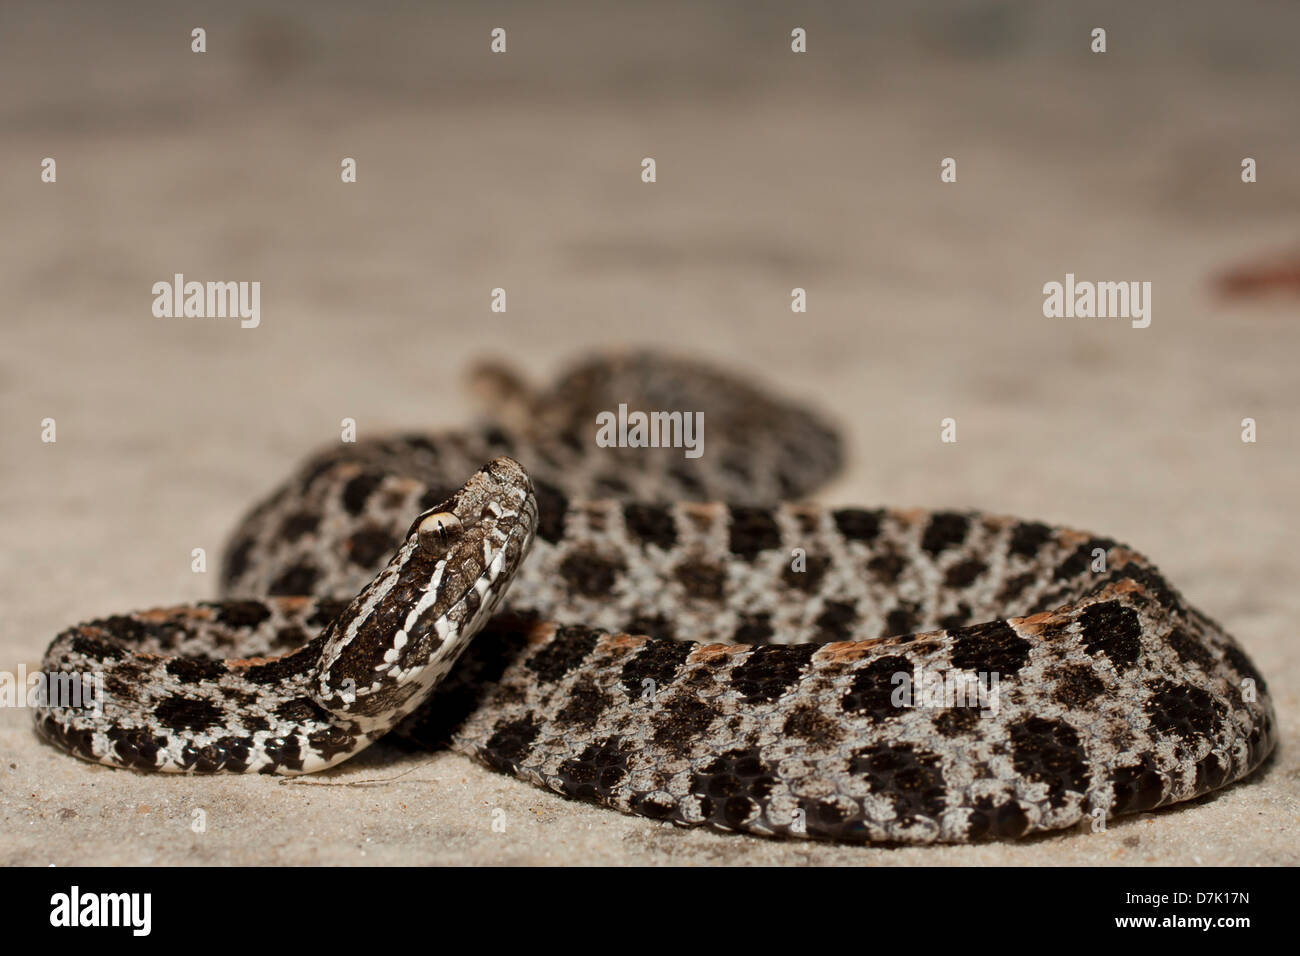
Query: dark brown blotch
{"x":301,"y":578}
{"x":909,"y":777}
{"x":193,"y":670}
{"x":358,"y":490}
{"x":946,"y":529}
{"x":1076,"y":685}
{"x":1112,"y":629}
{"x":369,"y":547}
{"x":702,"y":580}
{"x":563,"y":653}
{"x":597,"y":771}
{"x":185,"y":713}
{"x":770,"y":671}
{"x":1027,"y":537}
{"x":657,"y":661}
{"x":964,"y":573}
{"x":590,"y":573}
{"x":993,"y":647}
{"x":651,"y":524}
{"x":810,"y":578}
{"x":752,"y":531}
{"x":683,"y":718}
{"x":857,"y":524}
{"x":870,"y":693}
{"x":809,"y":723}
{"x":1048,"y":751}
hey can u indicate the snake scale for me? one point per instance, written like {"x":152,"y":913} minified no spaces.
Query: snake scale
{"x":735,"y":665}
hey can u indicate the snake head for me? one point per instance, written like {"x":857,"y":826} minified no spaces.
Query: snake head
{"x":401,"y":635}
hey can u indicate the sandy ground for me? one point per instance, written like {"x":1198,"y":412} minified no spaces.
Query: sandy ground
{"x":522,"y":171}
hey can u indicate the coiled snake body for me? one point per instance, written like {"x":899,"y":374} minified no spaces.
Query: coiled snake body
{"x":744,"y":666}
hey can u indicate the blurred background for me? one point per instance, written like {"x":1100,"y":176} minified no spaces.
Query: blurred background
{"x":775,"y":170}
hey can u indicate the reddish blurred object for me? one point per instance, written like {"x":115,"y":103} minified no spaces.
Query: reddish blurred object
{"x":1266,"y":277}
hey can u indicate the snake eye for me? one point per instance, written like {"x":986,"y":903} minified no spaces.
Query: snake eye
{"x":439,"y":530}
